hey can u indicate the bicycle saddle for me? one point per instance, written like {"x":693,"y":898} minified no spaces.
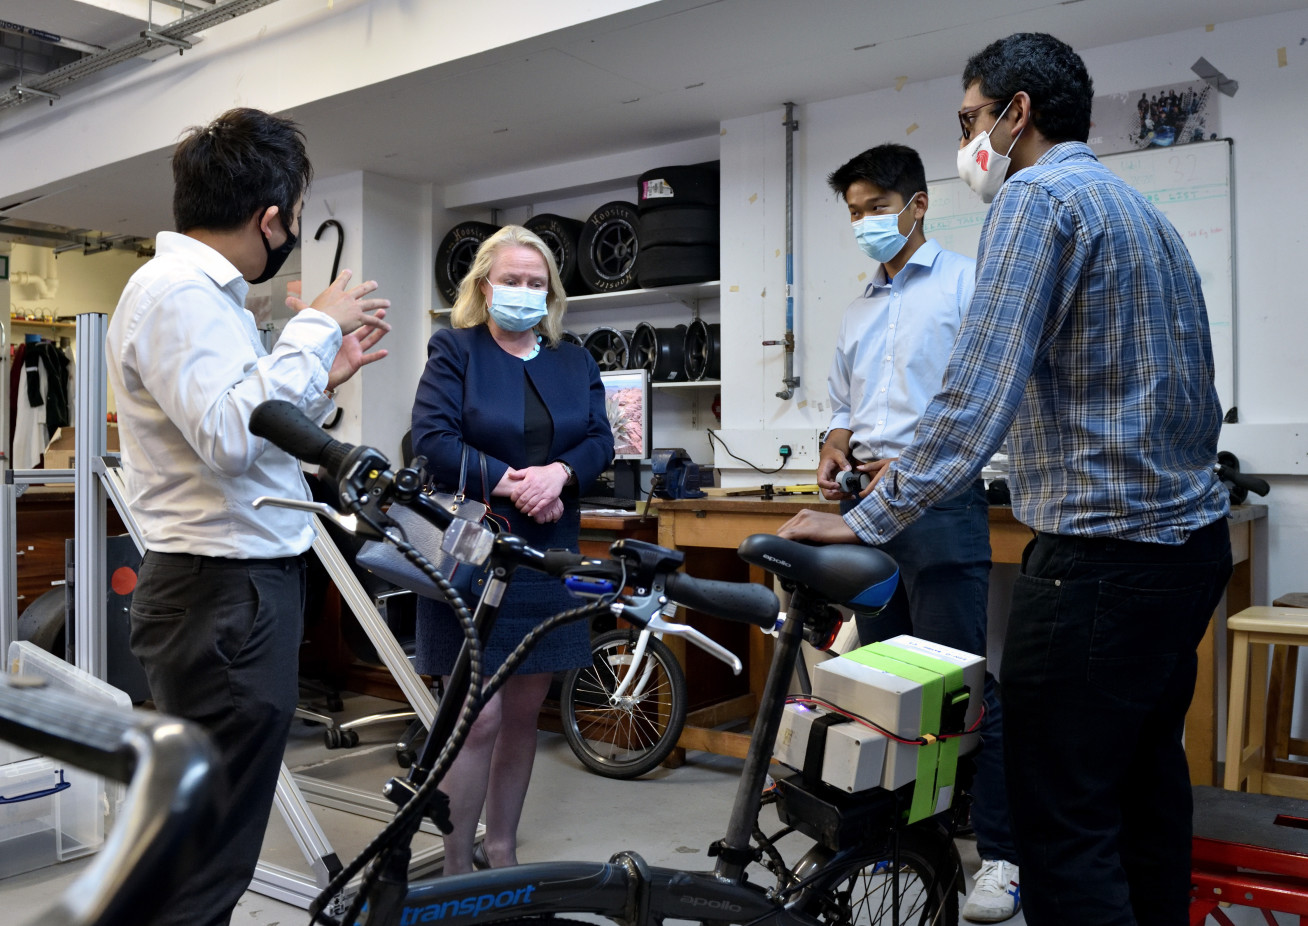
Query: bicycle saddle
{"x":852,"y":575}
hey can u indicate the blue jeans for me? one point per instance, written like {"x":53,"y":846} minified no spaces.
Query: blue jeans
{"x":1098,"y":672}
{"x":944,"y":572}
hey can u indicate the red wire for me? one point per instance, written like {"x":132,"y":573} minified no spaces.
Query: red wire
{"x":802,"y":699}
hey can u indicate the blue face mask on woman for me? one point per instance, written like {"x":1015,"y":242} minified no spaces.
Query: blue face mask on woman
{"x":517,"y":308}
{"x":878,"y":235}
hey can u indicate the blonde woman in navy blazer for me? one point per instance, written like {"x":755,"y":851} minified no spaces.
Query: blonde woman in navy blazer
{"x":534,"y":406}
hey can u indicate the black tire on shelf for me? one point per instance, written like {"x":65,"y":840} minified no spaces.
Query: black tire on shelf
{"x":691,"y":185}
{"x":571,"y":337}
{"x":43,"y":623}
{"x":703,"y":351}
{"x":680,"y":225}
{"x":609,"y":348}
{"x":861,"y":890}
{"x":455,"y":253}
{"x":608,"y":248}
{"x":561,"y":235}
{"x":672,"y":264}
{"x":626,"y":737}
{"x":659,"y":351}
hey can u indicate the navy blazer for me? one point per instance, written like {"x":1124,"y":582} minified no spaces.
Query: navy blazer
{"x":472,"y":390}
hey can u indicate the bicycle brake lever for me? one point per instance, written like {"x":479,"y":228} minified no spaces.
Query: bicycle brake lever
{"x":658,"y":625}
{"x":345,"y":521}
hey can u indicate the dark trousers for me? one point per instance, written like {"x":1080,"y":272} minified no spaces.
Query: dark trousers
{"x":1098,"y":672}
{"x":219,"y":639}
{"x":944,"y":571}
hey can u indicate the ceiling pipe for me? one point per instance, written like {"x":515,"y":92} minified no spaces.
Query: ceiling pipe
{"x":46,"y":286}
{"x":176,"y":33}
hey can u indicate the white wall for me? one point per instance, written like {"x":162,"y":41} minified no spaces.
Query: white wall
{"x":1271,"y":190}
{"x":387,"y":226}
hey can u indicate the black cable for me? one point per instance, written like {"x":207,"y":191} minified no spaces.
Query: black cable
{"x":765,"y":472}
{"x":393,"y":832}
{"x":405,"y":822}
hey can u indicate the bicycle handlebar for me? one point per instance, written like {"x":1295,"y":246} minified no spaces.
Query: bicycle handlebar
{"x":737,"y":601}
{"x":165,"y":822}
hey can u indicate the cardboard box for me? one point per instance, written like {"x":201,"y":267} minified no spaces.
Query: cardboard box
{"x":905,"y":692}
{"x":60,"y":451}
{"x":852,"y":757}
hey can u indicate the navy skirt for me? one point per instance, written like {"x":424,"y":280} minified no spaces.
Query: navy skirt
{"x":530,"y":598}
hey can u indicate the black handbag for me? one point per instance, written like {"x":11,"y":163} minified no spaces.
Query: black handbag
{"x":382,"y":558}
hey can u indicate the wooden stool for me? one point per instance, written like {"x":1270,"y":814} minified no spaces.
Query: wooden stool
{"x":1250,"y":740}
{"x":1249,"y":850}
{"x":1280,"y":702}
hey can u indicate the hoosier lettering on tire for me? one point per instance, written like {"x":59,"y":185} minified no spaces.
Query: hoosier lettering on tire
{"x":608,"y":247}
{"x":455,"y":254}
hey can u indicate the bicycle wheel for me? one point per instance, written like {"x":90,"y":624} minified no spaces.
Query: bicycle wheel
{"x":860,"y":892}
{"x":617,"y":731}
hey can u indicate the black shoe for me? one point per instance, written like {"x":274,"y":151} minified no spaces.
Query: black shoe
{"x":480,"y":860}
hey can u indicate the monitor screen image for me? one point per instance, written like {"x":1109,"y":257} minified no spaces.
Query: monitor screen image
{"x":626,"y":400}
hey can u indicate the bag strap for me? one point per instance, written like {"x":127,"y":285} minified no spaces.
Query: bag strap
{"x":463,"y":473}
{"x":485,"y":489}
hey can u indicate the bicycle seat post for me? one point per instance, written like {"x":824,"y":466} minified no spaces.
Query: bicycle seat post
{"x":735,"y":851}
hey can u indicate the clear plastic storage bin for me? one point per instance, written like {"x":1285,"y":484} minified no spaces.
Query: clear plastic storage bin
{"x":51,"y":811}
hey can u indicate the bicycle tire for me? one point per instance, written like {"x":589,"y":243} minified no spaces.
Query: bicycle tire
{"x":859,"y":892}
{"x":623,"y":740}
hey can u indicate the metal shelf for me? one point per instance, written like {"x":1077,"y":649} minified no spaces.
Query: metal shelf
{"x":688,"y":294}
{"x":689,"y":384}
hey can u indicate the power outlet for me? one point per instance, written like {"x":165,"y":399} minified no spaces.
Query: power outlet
{"x":765,"y":449}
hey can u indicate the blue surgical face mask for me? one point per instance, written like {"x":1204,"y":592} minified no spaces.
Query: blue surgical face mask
{"x":878,"y":235}
{"x":517,"y":308}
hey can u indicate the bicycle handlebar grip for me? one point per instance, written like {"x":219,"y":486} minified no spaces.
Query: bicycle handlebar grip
{"x":555,"y":562}
{"x":288,"y":428}
{"x":1245,"y":481}
{"x":733,"y":601}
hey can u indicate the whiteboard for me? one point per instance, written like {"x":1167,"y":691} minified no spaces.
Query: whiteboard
{"x":1190,"y":184}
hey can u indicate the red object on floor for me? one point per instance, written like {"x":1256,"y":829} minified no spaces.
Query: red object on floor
{"x":1249,"y":850}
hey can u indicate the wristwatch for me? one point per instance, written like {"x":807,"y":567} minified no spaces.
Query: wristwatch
{"x":572,"y":473}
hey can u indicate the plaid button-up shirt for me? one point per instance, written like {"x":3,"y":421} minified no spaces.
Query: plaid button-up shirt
{"x":1088,"y":337}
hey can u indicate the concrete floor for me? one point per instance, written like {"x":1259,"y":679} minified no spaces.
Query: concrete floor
{"x":669,"y":817}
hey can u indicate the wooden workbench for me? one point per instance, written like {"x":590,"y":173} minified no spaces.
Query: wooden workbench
{"x":697,"y":525}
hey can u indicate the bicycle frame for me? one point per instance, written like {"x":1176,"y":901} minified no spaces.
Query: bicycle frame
{"x":625,"y":889}
{"x":635,"y":661}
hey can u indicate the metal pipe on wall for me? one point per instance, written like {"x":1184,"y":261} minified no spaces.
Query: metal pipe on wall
{"x":789,"y":380}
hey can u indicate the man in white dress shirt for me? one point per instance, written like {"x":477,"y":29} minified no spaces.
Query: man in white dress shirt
{"x":217,"y":612}
{"x":890,"y":360}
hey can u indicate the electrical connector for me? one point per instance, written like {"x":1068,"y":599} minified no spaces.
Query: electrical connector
{"x":785,"y":451}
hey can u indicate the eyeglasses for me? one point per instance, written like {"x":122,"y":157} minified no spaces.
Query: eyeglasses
{"x":967,"y":117}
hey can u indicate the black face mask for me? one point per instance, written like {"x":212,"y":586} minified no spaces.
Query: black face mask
{"x":276,"y":256}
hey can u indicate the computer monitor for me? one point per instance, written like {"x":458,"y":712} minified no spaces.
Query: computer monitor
{"x":626,"y":400}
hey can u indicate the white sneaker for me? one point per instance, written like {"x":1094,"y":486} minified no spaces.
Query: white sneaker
{"x":997,"y":894}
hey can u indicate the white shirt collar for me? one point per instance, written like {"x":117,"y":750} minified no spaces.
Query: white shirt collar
{"x":218,"y":268}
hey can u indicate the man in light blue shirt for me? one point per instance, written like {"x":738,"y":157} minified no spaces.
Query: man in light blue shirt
{"x":890,"y":359}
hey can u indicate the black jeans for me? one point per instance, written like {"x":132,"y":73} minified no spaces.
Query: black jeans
{"x":943,"y":593}
{"x":220,"y":639}
{"x":1098,"y":672}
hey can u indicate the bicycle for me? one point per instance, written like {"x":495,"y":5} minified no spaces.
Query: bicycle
{"x":624,"y":711}
{"x":865,"y":864}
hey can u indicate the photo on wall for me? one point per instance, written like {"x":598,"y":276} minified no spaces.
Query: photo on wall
{"x":1155,"y":117}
